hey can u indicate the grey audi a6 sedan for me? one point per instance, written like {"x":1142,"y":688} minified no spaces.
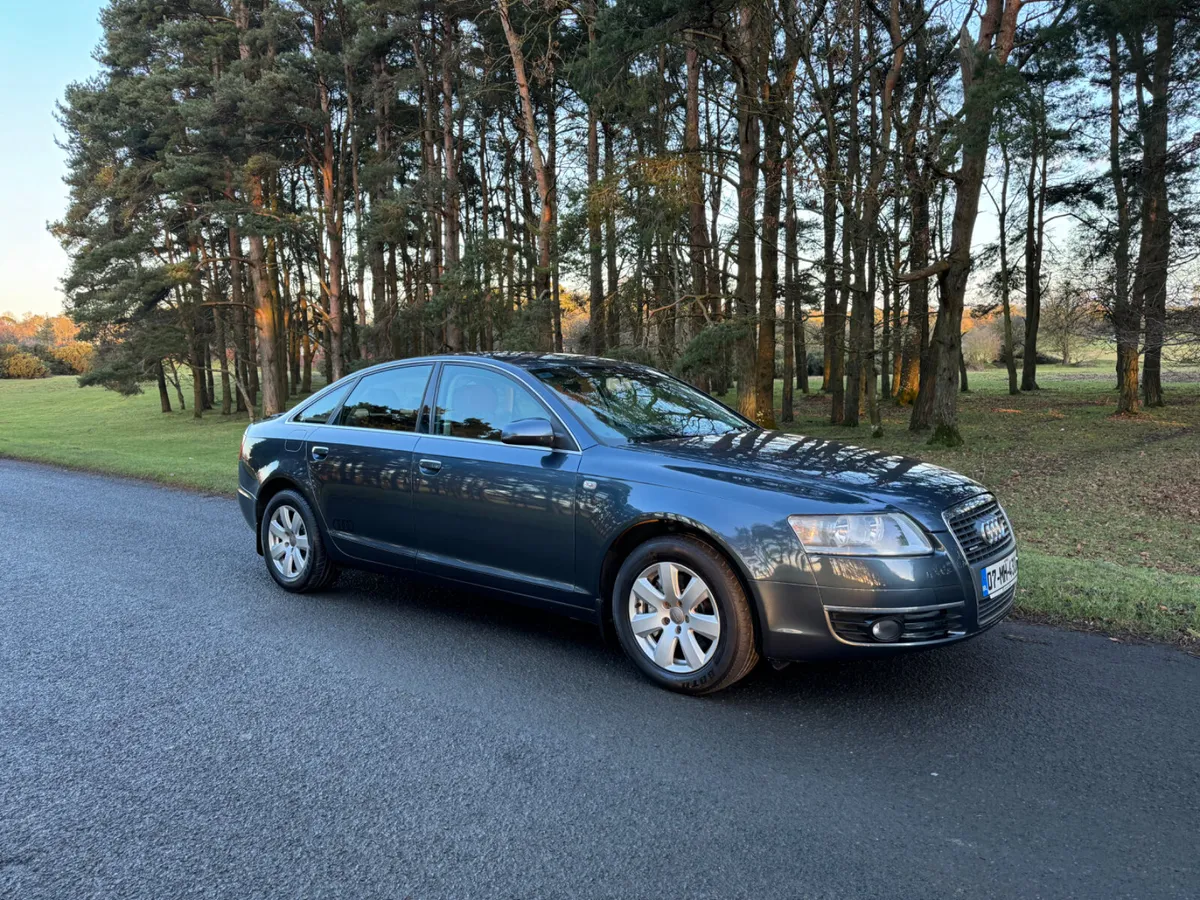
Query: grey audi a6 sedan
{"x":617,"y":494}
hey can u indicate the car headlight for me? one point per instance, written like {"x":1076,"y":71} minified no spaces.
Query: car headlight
{"x":873,"y":534}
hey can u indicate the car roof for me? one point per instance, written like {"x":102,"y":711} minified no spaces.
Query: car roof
{"x":518,"y":358}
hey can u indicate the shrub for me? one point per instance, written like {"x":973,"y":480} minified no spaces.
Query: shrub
{"x":24,"y":365}
{"x":76,"y":356}
{"x":981,"y":345}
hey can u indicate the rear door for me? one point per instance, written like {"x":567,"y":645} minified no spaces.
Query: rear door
{"x":361,"y":465}
{"x":493,"y":514}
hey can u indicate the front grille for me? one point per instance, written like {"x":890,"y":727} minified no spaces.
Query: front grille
{"x":962,"y":521}
{"x":993,"y":608}
{"x":916,"y":627}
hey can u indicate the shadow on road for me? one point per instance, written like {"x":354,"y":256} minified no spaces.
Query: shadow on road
{"x":973,"y":674}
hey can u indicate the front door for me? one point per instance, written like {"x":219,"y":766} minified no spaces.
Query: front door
{"x":493,"y":514}
{"x":361,"y":467}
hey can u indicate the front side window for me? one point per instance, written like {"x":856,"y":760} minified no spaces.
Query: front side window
{"x":319,"y":410}
{"x":631,"y":404}
{"x":474,"y":402}
{"x":389,"y":400}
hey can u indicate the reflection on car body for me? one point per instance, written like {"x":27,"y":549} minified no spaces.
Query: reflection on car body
{"x":614,"y":493}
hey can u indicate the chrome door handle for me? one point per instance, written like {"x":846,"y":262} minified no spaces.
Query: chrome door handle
{"x":430,"y":466}
{"x":319,"y":453}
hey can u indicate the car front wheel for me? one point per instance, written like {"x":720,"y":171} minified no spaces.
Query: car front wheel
{"x":682,"y":616}
{"x":292,"y":546}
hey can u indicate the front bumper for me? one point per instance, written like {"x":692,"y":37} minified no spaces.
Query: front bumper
{"x":936,"y":600}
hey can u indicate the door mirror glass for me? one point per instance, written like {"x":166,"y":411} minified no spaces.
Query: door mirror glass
{"x":529,"y":433}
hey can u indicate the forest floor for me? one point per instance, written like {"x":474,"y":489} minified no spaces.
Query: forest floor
{"x":1107,"y":510}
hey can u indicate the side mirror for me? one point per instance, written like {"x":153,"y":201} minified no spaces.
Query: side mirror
{"x":529,"y":433}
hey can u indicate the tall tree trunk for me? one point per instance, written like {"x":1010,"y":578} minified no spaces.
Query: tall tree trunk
{"x":747,"y":213}
{"x":863,"y":235}
{"x":829,"y":219}
{"x":552,"y":175}
{"x":332,"y":197}
{"x":264,"y":318}
{"x":698,"y":227}
{"x":915,"y":365}
{"x":1010,"y":355}
{"x":787,"y":412}
{"x":1154,"y":256}
{"x":223,"y":361}
{"x":164,"y":398}
{"x":175,"y":383}
{"x":855,"y":236}
{"x":454,"y":334}
{"x":1034,"y":197}
{"x":540,"y":171}
{"x":597,"y":330}
{"x":264,"y":307}
{"x":196,"y":363}
{"x":238,"y":315}
{"x":612,"y":308}
{"x":772,"y":166}
{"x":885,"y":339}
{"x":1126,"y":308}
{"x":997,"y":33}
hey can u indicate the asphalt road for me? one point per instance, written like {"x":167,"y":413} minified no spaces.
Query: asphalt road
{"x":173,"y":724}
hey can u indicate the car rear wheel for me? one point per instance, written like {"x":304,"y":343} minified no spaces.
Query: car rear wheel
{"x":682,"y":617}
{"x":292,"y":546}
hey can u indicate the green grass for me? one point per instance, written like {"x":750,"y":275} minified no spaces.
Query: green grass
{"x":54,"y":420}
{"x":1107,"y":510}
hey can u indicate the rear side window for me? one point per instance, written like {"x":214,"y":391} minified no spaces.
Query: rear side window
{"x":390,"y":399}
{"x":317,"y":412}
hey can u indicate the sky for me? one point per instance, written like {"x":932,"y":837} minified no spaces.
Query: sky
{"x":44,"y":46}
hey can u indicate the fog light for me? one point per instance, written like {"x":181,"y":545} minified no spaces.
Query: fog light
{"x":886,"y":630}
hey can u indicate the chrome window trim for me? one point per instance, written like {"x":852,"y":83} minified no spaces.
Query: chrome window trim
{"x":359,"y":429}
{"x":451,"y":437}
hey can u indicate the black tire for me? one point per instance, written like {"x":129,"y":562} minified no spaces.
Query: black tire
{"x":735,"y":654}
{"x":318,"y":571}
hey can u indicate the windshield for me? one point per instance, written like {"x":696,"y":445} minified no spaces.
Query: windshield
{"x":624,"y":403}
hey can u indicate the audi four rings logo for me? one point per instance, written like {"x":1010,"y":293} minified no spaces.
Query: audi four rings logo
{"x":991,"y":529}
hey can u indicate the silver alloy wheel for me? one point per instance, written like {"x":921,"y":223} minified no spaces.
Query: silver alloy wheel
{"x":288,"y":542}
{"x":674,"y":617}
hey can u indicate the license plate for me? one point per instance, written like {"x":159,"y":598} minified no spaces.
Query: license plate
{"x":998,"y":577}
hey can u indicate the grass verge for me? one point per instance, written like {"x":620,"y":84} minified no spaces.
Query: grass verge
{"x":1107,"y":510}
{"x":54,"y":420}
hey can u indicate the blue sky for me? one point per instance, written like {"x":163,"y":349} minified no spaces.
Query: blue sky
{"x":44,"y":46}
